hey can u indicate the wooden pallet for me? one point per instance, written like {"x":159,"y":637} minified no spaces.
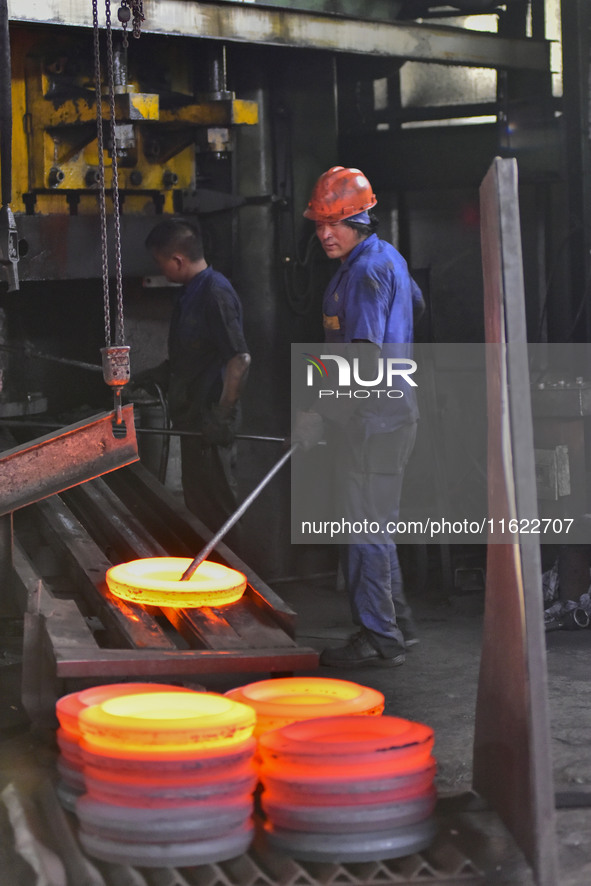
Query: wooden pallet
{"x":76,"y":632}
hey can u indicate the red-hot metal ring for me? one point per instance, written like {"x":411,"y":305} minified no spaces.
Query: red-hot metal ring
{"x":285,"y":700}
{"x":156,"y":581}
{"x":323,"y":789}
{"x":68,"y":707}
{"x":344,"y":736}
{"x":160,"y":719}
{"x":351,"y":745}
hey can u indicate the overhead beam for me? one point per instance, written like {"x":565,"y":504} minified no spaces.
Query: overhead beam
{"x":280,"y":27}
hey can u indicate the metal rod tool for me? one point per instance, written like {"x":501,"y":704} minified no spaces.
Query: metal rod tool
{"x":237,"y":514}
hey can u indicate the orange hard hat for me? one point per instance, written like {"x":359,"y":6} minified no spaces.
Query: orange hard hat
{"x":338,"y":194}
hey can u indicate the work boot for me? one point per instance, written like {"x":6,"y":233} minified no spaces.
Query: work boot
{"x":410,"y":638}
{"x":409,"y":631}
{"x":359,"y":653}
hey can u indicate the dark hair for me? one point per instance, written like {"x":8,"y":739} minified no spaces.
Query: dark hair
{"x":364,"y":230}
{"x":176,"y":235}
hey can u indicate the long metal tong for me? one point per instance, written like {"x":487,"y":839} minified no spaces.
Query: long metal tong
{"x":237,"y":514}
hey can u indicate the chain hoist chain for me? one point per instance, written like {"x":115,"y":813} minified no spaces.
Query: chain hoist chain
{"x":101,"y":166}
{"x":131,"y":10}
{"x":115,"y":358}
{"x":138,"y":17}
{"x":120,"y":335}
{"x":124,"y":16}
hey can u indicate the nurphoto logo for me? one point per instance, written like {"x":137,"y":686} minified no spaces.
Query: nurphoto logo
{"x":348,"y":374}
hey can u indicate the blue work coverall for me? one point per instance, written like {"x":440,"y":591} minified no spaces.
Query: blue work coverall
{"x":206,"y":331}
{"x":373,"y":298}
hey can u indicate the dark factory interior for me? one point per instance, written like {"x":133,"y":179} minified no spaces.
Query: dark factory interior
{"x":472,"y":122}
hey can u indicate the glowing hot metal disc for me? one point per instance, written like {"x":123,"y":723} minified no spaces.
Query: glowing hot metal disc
{"x":156,"y":581}
{"x":285,"y":700}
{"x":167,"y":720}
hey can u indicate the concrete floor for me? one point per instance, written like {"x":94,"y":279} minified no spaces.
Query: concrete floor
{"x":437,"y":686}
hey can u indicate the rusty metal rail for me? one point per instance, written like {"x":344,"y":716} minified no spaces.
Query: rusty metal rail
{"x":76,"y":630}
{"x":76,"y":453}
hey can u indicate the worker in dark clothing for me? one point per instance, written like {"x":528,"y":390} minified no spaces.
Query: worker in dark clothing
{"x":372,"y":301}
{"x":205,"y":372}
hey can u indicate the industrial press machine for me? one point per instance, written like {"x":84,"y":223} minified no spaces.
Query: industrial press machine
{"x":106,"y":139}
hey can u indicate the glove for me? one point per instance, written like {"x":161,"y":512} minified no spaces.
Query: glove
{"x":219,"y":426}
{"x":308,"y":430}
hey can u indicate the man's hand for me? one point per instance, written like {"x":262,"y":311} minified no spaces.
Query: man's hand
{"x":218,"y":428}
{"x":308,"y":430}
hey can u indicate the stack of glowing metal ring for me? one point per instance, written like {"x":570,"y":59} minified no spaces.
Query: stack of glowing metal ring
{"x":348,"y":789}
{"x":286,"y":700}
{"x":168,"y":777}
{"x":70,"y":764}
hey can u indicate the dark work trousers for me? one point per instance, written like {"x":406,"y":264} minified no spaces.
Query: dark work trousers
{"x":370,"y":475}
{"x":209,"y":486}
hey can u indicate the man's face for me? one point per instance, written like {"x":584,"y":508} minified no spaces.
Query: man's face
{"x":337,"y":238}
{"x":171,"y":266}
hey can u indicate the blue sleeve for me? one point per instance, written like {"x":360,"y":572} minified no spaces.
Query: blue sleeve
{"x":368,"y":305}
{"x":224,"y":322}
{"x":418,"y":302}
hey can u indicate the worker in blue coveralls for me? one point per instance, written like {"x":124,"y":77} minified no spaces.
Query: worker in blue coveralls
{"x":372,"y":301}
{"x":203,"y":377}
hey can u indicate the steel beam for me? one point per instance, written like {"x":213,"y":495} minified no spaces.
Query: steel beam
{"x":50,"y":464}
{"x":89,"y":661}
{"x":280,"y":27}
{"x":375,"y":10}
